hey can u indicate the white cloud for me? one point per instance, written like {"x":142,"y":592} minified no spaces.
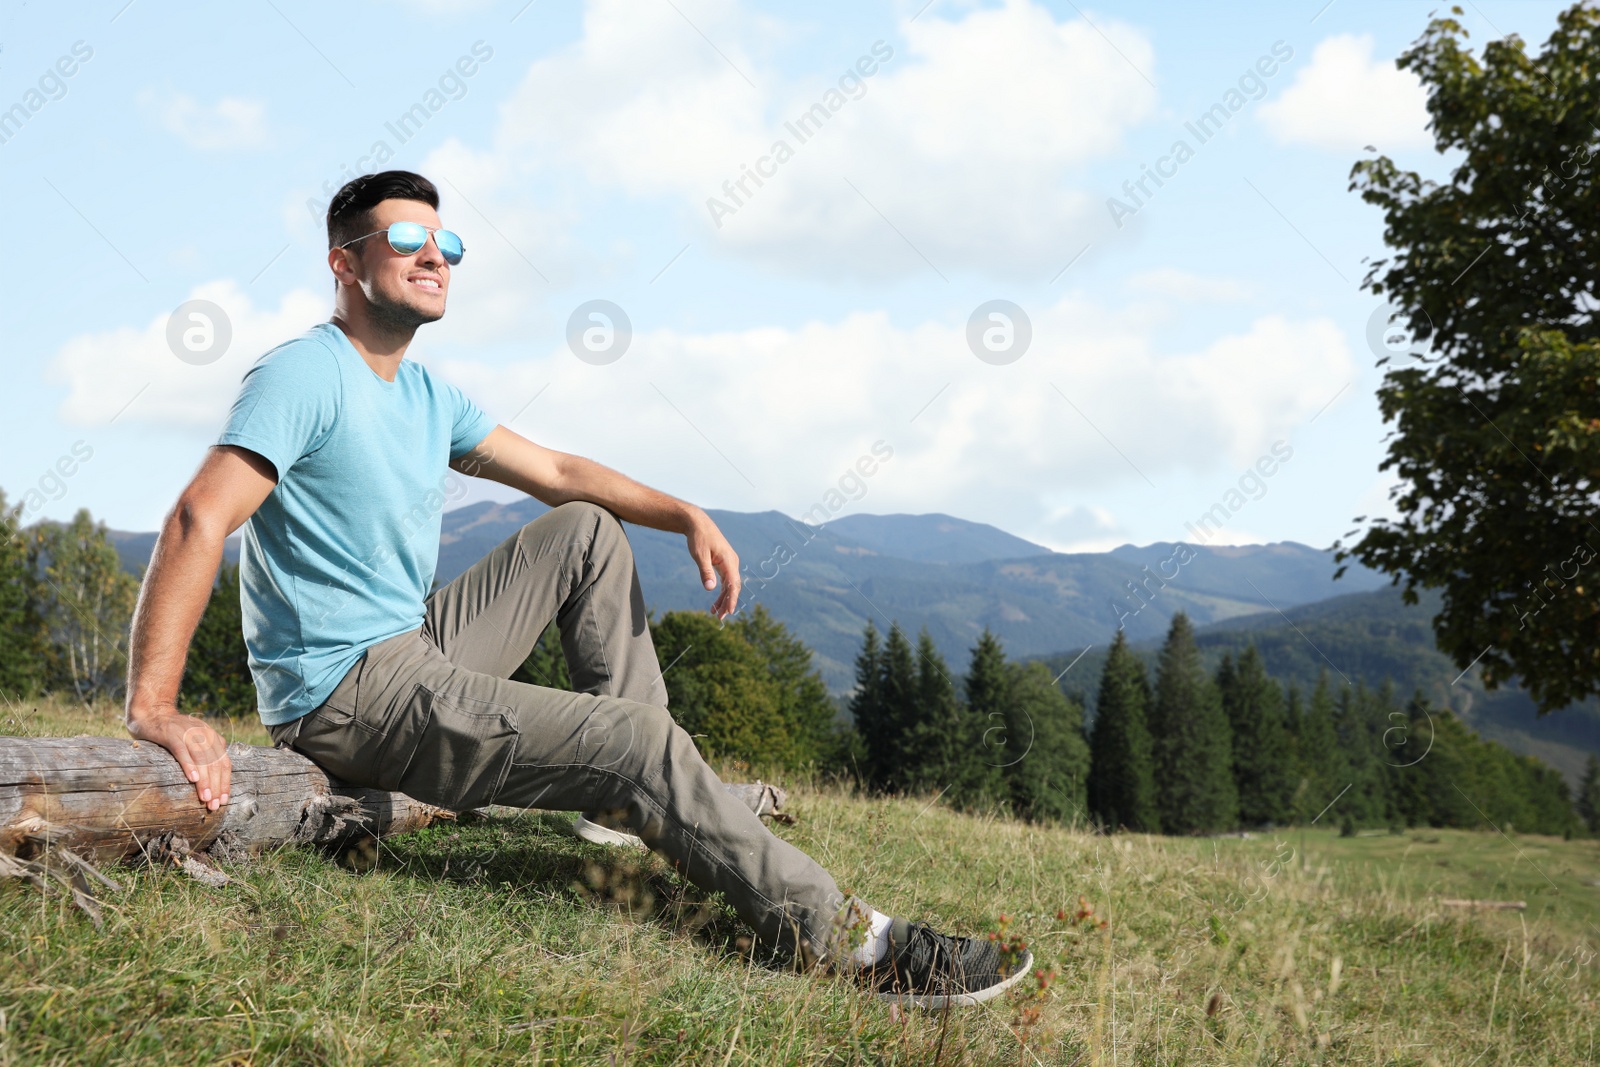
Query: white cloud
{"x":967,"y":140}
{"x":769,"y":417}
{"x":1077,"y":528}
{"x":231,"y":123}
{"x":1345,"y":100}
{"x":766,"y":418}
{"x":104,"y":371}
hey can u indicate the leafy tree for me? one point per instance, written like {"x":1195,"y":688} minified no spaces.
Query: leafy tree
{"x":1497,"y":436}
{"x":1049,"y":778}
{"x":1432,"y":765}
{"x":807,"y":710}
{"x":746,"y":691}
{"x":720,"y":690}
{"x":1452,"y":777}
{"x":845,"y":754}
{"x":1263,"y":757}
{"x":1121,"y":764}
{"x":1193,"y":750}
{"x":1589,"y":795}
{"x":216,"y":674}
{"x":1549,"y":799}
{"x":23,"y":660}
{"x":87,"y":604}
{"x":546,"y":664}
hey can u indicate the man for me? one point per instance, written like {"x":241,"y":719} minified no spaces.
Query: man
{"x":334,"y":459}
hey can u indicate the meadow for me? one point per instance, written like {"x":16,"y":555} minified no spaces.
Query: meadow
{"x":505,"y":939}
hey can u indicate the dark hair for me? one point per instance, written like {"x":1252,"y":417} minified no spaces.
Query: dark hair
{"x":350,"y":210}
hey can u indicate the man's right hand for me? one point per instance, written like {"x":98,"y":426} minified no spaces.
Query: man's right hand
{"x":199,"y":750}
{"x":228,"y":488}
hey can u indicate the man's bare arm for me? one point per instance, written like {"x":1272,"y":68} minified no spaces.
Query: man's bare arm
{"x":557,"y":477}
{"x":230,"y":484}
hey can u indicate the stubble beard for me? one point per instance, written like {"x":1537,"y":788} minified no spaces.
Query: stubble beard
{"x":398,"y":316}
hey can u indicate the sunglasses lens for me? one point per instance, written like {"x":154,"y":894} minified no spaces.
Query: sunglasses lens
{"x":449,"y":246}
{"x":407,"y":237}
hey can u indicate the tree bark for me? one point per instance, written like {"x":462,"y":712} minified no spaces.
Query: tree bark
{"x":106,"y":799}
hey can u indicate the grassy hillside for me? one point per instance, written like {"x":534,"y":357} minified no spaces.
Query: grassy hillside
{"x":501,"y":941}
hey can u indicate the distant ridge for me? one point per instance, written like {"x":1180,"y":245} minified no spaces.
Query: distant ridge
{"x":933,"y":538}
{"x":950,"y":575}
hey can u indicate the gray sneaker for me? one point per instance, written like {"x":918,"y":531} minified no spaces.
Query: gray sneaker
{"x":926,"y":969}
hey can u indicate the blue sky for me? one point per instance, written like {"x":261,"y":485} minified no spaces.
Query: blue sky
{"x":1175,"y":341}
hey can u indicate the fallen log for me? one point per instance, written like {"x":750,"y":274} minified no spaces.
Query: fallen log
{"x":106,"y":799}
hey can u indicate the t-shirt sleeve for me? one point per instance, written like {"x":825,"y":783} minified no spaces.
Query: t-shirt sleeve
{"x":471,"y":424}
{"x":287,"y":405}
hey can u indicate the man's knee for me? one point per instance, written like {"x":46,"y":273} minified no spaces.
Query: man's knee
{"x":582,"y":516}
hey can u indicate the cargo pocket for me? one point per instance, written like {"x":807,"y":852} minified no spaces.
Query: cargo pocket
{"x":341,"y":744}
{"x":459,"y":753}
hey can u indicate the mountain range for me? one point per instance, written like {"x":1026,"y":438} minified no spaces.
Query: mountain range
{"x":955,"y":577}
{"x":951,"y":575}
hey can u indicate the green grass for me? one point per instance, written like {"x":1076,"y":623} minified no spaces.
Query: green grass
{"x":501,"y":941}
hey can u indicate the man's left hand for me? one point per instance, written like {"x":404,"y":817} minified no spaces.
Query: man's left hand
{"x":712,"y":554}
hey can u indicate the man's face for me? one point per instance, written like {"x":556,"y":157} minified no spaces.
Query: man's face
{"x":403,"y":291}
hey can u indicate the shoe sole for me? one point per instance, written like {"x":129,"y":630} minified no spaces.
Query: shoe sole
{"x":604,"y":835}
{"x":962,"y":1000}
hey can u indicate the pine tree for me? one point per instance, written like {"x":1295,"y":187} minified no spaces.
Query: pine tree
{"x":867,"y":710}
{"x":1358,"y":800}
{"x":216,"y":674}
{"x":1049,"y":777}
{"x":1294,"y":718}
{"x":886,"y":707}
{"x":897,"y":682}
{"x":1193,"y":750}
{"x":944,"y":749}
{"x":1383,"y":717}
{"x":1360,"y":723}
{"x":1321,"y":763}
{"x":1589,"y":795}
{"x":22,"y":638}
{"x":987,"y":699}
{"x":1263,"y":767}
{"x":1121,"y":764}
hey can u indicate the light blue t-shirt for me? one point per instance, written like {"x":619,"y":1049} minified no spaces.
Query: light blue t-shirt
{"x":342,"y":552}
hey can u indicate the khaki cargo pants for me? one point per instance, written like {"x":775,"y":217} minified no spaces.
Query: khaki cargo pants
{"x":431,"y":713}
